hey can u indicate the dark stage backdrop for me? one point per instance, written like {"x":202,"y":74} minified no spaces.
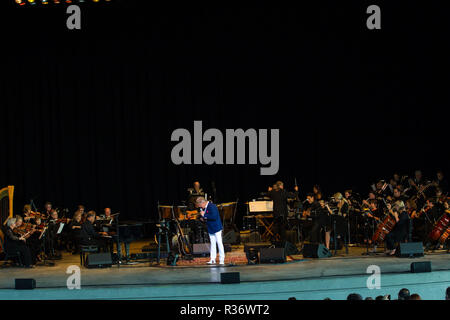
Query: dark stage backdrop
{"x":86,"y":116}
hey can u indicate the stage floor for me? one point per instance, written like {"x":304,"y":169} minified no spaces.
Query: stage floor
{"x":148,"y":275}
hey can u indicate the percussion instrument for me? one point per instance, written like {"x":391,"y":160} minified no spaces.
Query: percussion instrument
{"x":180,"y":213}
{"x":165,"y":212}
{"x":440,"y":227}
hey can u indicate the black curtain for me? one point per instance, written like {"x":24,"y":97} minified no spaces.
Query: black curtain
{"x":86,"y":116}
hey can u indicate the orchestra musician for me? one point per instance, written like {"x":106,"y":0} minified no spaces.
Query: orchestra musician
{"x":193,"y":193}
{"x":401,"y":229}
{"x":211,"y":215}
{"x":48,"y":208}
{"x":15,"y":242}
{"x":280,"y":197}
{"x":75,"y":232}
{"x":88,"y":235}
{"x":317,"y":192}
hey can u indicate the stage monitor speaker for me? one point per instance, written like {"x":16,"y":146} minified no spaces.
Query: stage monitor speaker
{"x":230,"y":277}
{"x":25,"y":284}
{"x":311,"y":250}
{"x":99,"y":260}
{"x":246,"y":237}
{"x":256,"y":245}
{"x":423,"y":266}
{"x":289,"y":247}
{"x":231,"y":237}
{"x":201,"y":248}
{"x":272,"y":255}
{"x":410,"y":249}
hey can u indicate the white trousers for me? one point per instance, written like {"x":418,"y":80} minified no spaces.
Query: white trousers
{"x":216,"y":240}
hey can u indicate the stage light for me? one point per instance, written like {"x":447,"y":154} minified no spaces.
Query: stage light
{"x":44,"y":1}
{"x":68,"y":1}
{"x":32,"y":2}
{"x":20,"y":2}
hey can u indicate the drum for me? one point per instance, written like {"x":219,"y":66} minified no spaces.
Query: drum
{"x":383,"y":229}
{"x":165,"y":212}
{"x":227,"y":210}
{"x":440,"y":227}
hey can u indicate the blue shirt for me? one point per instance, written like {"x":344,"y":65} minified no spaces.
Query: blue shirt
{"x":212,"y":217}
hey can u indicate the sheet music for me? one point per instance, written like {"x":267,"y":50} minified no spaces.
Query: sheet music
{"x":61,"y":226}
{"x":260,"y":206}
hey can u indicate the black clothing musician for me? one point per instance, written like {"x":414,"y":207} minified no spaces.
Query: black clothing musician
{"x":15,"y":243}
{"x":280,"y":197}
{"x":322,"y":221}
{"x":88,"y":235}
{"x":193,"y":193}
{"x":75,"y":232}
{"x":441,"y":183}
{"x":400,"y":231}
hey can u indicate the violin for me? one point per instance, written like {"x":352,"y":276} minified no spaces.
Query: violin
{"x":62,"y":220}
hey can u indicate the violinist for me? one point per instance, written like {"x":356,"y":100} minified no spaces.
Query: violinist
{"x":48,"y":208}
{"x":16,"y":242}
{"x":27,"y":215}
{"x":401,"y":229}
{"x":341,"y":204}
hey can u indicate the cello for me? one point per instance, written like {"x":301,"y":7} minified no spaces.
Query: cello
{"x":384,"y":227}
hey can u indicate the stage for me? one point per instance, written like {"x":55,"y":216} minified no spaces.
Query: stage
{"x":313,"y":279}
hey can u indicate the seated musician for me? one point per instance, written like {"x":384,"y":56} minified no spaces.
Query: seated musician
{"x":52,"y":233}
{"x":440,"y":182}
{"x":16,"y":243}
{"x":48,"y":208}
{"x":280,"y":197}
{"x":193,"y":193}
{"x":106,"y":215}
{"x":88,"y":235}
{"x":75,"y":231}
{"x":32,"y":240}
{"x":27,"y":213}
{"x":401,"y":229}
{"x":211,"y":215}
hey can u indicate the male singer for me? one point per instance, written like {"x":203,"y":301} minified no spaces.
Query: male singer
{"x":211,"y":214}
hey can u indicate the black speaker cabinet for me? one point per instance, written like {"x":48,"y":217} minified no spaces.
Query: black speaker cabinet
{"x":311,"y":250}
{"x":99,"y":260}
{"x":410,"y":249}
{"x":272,"y":255}
{"x":201,"y":248}
{"x":230,"y":277}
{"x":423,"y":266}
{"x":289,"y":247}
{"x":257,"y":246}
{"x":25,"y":284}
{"x":231,"y":237}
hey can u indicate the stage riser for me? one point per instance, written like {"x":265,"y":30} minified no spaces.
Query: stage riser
{"x":429,"y":285}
